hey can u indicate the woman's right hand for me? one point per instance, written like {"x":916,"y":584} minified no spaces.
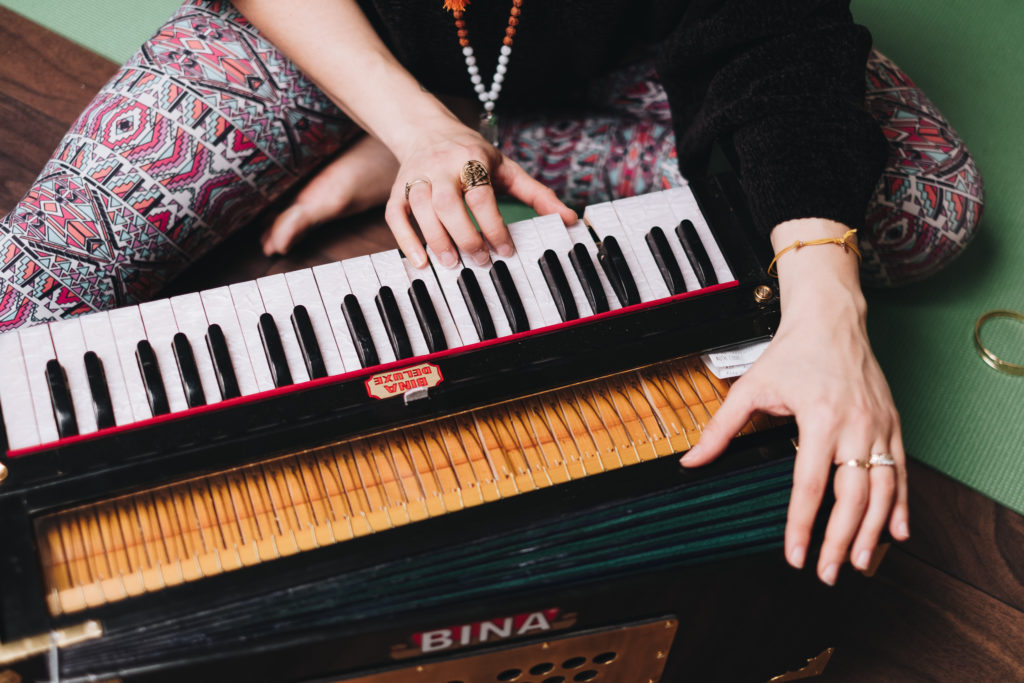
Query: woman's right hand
{"x":437,"y":155}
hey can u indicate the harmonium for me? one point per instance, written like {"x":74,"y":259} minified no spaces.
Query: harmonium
{"x":369,"y":472}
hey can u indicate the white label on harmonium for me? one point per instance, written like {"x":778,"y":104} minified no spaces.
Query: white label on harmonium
{"x":397,"y":382}
{"x":502,"y":628}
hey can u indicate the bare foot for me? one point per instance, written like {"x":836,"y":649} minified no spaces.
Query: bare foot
{"x":360,"y":179}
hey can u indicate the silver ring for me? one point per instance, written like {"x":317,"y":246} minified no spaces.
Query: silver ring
{"x":408,"y":185}
{"x":881,"y":460}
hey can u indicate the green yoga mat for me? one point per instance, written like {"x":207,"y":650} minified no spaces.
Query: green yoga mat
{"x":958,"y":414}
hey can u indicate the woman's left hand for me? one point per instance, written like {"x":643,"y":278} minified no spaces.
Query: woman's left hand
{"x":820,"y":369}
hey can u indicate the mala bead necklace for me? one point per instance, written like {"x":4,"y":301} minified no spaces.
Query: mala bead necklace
{"x":487,"y":97}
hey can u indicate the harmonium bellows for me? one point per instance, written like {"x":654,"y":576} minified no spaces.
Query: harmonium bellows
{"x":364,"y":470}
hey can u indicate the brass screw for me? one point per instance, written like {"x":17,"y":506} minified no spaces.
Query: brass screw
{"x":660,"y":655}
{"x":3,"y":471}
{"x":763,"y":293}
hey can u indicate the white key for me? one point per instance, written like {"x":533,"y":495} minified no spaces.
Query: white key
{"x":99,"y":338}
{"x":635,"y":223}
{"x":249,"y":308}
{"x":37,"y":349}
{"x":684,"y":205}
{"x":605,"y":222}
{"x":302,"y":285}
{"x":69,"y":345}
{"x":15,"y":395}
{"x":579,"y":234}
{"x":333,"y":286}
{"x":444,"y":316}
{"x":191,"y":318}
{"x":447,"y":278}
{"x":660,"y":213}
{"x":158,"y":319}
{"x":554,"y":236}
{"x":529,"y":249}
{"x":220,"y":311}
{"x":363,"y":281}
{"x":278,"y":302}
{"x":391,"y":273}
{"x":483,"y":278}
{"x":128,"y":331}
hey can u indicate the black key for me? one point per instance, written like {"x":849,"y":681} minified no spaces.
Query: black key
{"x":303,"y":327}
{"x":558,"y":285}
{"x":188,"y":371}
{"x":474,"y":297}
{"x":696,"y":254}
{"x":609,"y":255}
{"x":271,"y":338}
{"x":102,"y":406}
{"x":425,"y":313}
{"x":581,"y":262}
{"x":60,"y":399}
{"x":509,"y":297}
{"x":150,"y":370}
{"x":359,"y":331}
{"x":666,"y":260}
{"x":387,"y":306}
{"x":217,"y":345}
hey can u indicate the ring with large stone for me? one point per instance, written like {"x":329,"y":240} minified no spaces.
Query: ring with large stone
{"x":408,"y":185}
{"x":474,"y":174}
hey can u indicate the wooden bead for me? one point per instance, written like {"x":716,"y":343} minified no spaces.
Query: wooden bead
{"x":457,"y":14}
{"x":463,"y":33}
{"x":512,"y":21}
{"x":515,"y":11}
{"x":464,"y":42}
{"x":507,"y":41}
{"x":510,"y":31}
{"x":460,"y":24}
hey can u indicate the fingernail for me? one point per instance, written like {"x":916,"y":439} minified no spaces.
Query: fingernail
{"x":864,"y":559}
{"x":829,"y":575}
{"x":505,"y":250}
{"x":796,"y":556}
{"x":903,"y":530}
{"x":419,"y":260}
{"x":690,"y":455}
{"x":448,"y":258}
{"x":481,"y":257}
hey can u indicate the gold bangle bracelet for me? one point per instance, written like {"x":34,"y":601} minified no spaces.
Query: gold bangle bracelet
{"x":986,"y":354}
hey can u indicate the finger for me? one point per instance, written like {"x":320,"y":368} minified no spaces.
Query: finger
{"x":899,"y":521}
{"x":810,"y":477}
{"x":397,"y":218}
{"x":518,"y":183}
{"x":433,"y":232}
{"x":726,"y":423}
{"x":484,"y":205}
{"x":851,"y":489}
{"x":451,"y":210}
{"x":288,"y":227}
{"x":880,"y":502}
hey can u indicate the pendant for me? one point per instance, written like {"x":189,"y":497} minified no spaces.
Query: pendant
{"x":489,"y":127}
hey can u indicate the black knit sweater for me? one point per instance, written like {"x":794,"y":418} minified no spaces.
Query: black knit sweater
{"x":779,"y":82}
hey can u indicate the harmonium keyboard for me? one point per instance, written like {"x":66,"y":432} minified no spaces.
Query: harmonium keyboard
{"x":365,"y":471}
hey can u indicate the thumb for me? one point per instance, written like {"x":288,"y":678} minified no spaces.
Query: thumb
{"x":518,"y":183}
{"x":726,"y":423}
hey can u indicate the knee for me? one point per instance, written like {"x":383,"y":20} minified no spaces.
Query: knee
{"x":930,"y":199}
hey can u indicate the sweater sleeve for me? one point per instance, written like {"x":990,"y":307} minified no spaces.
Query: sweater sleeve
{"x":781,"y":85}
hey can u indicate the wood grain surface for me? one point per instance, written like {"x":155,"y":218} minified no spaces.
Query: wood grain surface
{"x":946,"y":606}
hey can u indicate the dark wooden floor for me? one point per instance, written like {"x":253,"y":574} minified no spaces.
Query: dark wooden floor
{"x":946,"y":606}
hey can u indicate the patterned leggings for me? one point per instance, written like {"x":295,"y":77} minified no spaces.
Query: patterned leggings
{"x":208,"y":123}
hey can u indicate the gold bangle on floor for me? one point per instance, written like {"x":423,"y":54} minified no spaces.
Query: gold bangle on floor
{"x":848,"y":242}
{"x":986,"y":353}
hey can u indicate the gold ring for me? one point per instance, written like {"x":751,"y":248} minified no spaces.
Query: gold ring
{"x":986,"y":354}
{"x":408,"y":185}
{"x":866,"y":464}
{"x":474,"y":174}
{"x":881,"y":460}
